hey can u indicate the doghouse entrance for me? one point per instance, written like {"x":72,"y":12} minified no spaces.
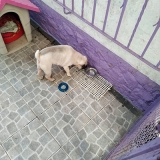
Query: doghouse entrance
{"x":12,"y":31}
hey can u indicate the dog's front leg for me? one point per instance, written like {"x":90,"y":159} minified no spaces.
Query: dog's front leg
{"x":66,"y":68}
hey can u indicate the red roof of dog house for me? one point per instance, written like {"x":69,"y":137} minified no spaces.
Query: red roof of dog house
{"x":26,"y":4}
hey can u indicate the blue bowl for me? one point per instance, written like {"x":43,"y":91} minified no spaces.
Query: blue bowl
{"x":63,"y":87}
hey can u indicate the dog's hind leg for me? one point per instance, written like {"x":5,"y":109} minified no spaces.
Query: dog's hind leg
{"x":46,"y":67}
{"x":40,"y":75}
{"x":48,"y":74}
{"x":49,"y":77}
{"x":66,"y":68}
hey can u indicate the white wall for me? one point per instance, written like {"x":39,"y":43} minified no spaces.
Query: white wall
{"x":142,"y":35}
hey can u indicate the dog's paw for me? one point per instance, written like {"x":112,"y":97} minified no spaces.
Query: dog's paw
{"x":69,"y":75}
{"x":41,"y":77}
{"x":52,"y":79}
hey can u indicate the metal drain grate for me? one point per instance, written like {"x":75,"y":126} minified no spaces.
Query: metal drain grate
{"x":97,"y":85}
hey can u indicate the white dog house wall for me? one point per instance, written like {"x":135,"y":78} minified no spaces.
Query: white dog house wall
{"x":15,"y":28}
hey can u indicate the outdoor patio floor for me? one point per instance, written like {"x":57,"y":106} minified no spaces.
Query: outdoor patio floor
{"x":38,"y":122}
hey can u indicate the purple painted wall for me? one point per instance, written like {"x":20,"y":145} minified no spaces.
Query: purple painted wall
{"x":149,"y":151}
{"x":133,"y":85}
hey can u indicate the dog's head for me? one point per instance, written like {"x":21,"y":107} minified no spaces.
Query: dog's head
{"x":82,"y":62}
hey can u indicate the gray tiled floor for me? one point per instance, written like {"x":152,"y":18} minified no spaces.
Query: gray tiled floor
{"x":38,"y":122}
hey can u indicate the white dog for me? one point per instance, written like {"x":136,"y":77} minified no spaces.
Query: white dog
{"x":62,"y":55}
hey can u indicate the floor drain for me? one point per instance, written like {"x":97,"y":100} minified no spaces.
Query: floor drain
{"x":96,"y":85}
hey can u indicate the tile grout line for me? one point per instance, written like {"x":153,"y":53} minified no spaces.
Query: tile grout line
{"x":5,"y":152}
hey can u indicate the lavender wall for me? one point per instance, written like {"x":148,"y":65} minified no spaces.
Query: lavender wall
{"x":132,"y":84}
{"x":149,"y":151}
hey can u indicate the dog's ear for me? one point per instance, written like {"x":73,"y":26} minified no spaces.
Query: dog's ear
{"x":81,"y":60}
{"x":86,"y":60}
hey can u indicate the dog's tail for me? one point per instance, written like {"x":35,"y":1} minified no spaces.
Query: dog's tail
{"x":37,"y":55}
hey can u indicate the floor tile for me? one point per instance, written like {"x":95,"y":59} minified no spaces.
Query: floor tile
{"x":64,"y":119}
{"x":60,"y":155}
{"x":20,"y":70}
{"x":33,"y":142}
{"x":14,"y":115}
{"x":113,"y":122}
{"x":3,"y":155}
{"x":40,"y":94}
{"x":6,"y":89}
{"x":85,"y":101}
{"x":88,"y":144}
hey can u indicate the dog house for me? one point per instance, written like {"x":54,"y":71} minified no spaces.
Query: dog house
{"x":15,"y":28}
